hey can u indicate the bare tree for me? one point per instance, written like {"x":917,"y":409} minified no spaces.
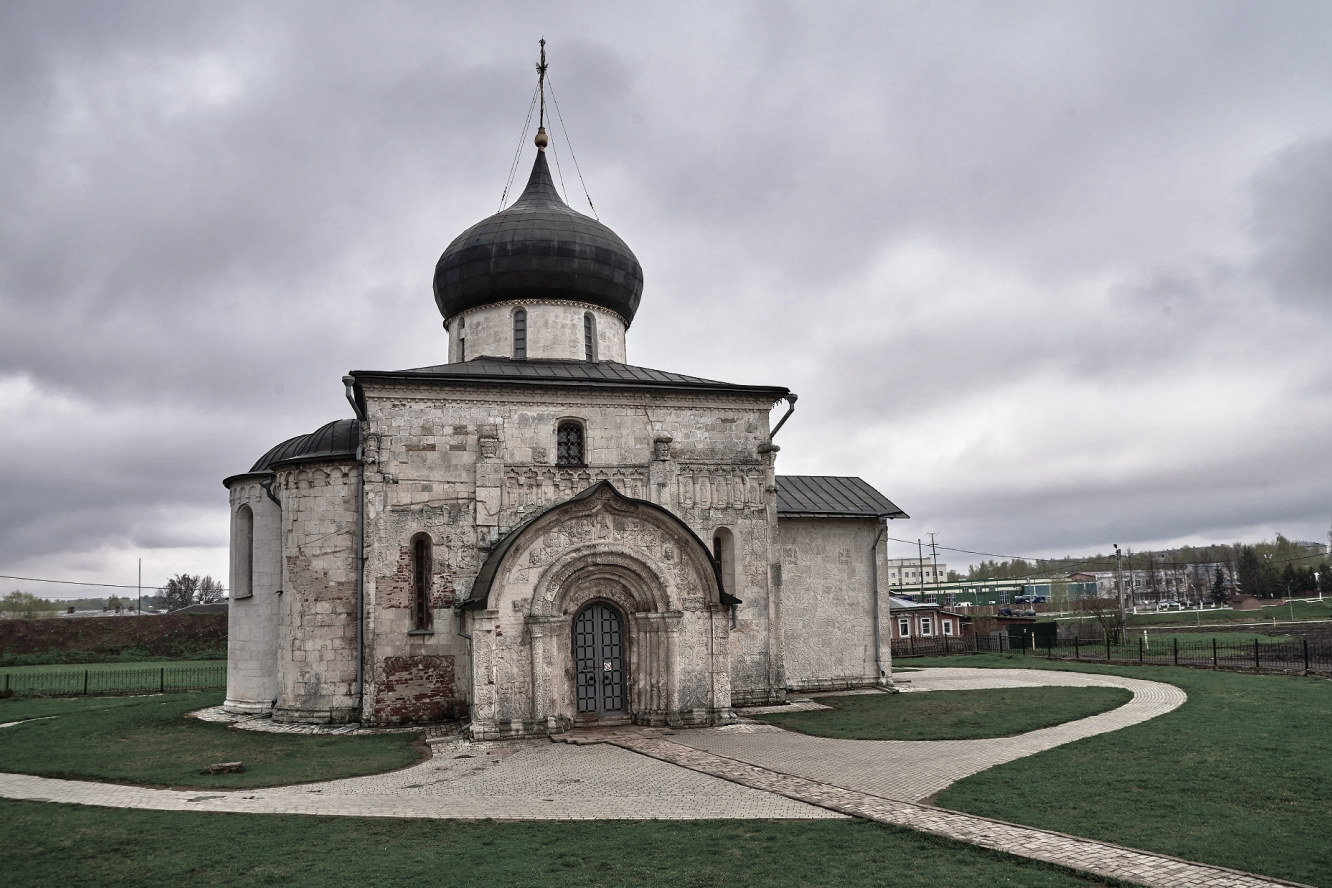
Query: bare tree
{"x":210,"y":591}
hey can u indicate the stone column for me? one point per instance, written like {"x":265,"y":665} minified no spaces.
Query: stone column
{"x":543,"y":632}
{"x":670,"y":623}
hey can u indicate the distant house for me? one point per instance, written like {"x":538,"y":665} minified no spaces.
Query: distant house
{"x":925,"y":620}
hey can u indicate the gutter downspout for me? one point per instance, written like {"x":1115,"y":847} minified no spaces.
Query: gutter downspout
{"x":791,"y":401}
{"x":874,"y":581}
{"x":471,"y":667}
{"x":350,"y":383}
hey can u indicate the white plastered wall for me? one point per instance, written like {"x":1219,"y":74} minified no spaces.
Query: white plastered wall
{"x":554,"y":331}
{"x":252,"y":620}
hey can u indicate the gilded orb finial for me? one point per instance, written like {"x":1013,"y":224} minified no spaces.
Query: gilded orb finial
{"x":541,"y":140}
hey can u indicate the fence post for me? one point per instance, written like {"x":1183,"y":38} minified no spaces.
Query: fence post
{"x":1077,"y":651}
{"x":85,"y":682}
{"x":1255,"y":653}
{"x":1107,"y":647}
{"x":1049,"y":647}
{"x":945,"y":645}
{"x":1177,"y":650}
{"x":1214,"y":666}
{"x":1139,"y":651}
{"x":1306,"y":658}
{"x":161,"y":681}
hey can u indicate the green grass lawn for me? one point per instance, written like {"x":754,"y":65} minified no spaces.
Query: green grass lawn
{"x":949,"y":715}
{"x":1240,"y":775}
{"x":1297,"y":609}
{"x":66,"y":846}
{"x":148,"y":740}
{"x":127,"y":666}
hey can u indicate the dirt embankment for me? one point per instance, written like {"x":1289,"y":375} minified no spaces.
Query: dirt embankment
{"x":113,"y":639}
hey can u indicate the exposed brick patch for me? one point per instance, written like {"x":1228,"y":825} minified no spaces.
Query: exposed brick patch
{"x":416,"y":690}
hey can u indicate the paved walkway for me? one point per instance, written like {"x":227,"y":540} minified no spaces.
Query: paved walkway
{"x":743,"y":771}
{"x":911,"y":770}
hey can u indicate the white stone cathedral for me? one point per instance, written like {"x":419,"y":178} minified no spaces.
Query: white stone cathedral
{"x":538,"y":535}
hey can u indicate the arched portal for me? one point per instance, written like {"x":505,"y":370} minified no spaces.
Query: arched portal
{"x":598,"y":653}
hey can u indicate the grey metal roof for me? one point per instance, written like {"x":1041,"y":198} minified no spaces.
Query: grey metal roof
{"x":538,"y":248}
{"x":338,"y":439}
{"x":831,"y":496}
{"x":569,"y":373}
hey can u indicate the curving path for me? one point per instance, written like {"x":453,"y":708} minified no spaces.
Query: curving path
{"x":911,"y":770}
{"x":740,"y":771}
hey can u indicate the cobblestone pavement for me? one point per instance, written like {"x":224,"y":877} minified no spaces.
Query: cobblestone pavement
{"x":911,"y":770}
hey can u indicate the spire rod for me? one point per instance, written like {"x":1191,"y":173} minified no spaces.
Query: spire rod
{"x":541,"y":140}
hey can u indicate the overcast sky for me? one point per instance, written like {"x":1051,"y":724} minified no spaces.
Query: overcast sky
{"x":1051,"y":276}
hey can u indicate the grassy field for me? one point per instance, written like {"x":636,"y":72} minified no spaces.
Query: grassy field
{"x":1238,"y":776}
{"x":1297,"y":609}
{"x":949,"y":715}
{"x":148,"y":740}
{"x":66,"y":846}
{"x":128,"y":666}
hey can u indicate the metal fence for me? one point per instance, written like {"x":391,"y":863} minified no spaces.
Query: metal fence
{"x":103,"y":682}
{"x":1260,"y":655}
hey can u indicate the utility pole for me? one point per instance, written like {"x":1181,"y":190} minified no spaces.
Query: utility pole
{"x":139,"y":610}
{"x":934,"y":560}
{"x":1119,"y":582}
{"x":920,"y":567}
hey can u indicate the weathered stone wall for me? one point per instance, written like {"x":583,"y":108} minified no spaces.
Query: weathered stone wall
{"x":468,"y":463}
{"x":317,"y":640}
{"x":252,"y":632}
{"x":554,"y":331}
{"x":828,"y":605}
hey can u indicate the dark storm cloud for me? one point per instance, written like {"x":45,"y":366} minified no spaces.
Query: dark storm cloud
{"x":1042,"y":272}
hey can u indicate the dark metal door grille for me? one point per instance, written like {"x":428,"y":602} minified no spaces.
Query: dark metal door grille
{"x":599,"y":660}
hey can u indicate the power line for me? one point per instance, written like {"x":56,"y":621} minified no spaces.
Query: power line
{"x":76,"y":583}
{"x":569,"y":142}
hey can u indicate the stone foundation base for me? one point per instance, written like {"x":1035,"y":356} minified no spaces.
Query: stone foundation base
{"x":292,"y":715}
{"x":248,"y":707}
{"x":837,"y":684}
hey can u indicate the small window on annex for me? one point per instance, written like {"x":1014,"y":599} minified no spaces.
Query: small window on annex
{"x":244,"y":553}
{"x":421,"y":617}
{"x":903,"y":628}
{"x":926,"y":626}
{"x":520,"y":335}
{"x":947,"y":627}
{"x":589,"y":337}
{"x":569,"y":445}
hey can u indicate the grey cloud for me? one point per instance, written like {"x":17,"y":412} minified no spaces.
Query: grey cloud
{"x":199,"y":205}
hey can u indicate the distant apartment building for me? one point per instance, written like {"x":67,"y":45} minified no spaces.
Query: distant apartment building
{"x":908,"y":572}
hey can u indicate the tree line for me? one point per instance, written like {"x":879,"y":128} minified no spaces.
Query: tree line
{"x":1269,"y":569}
{"x":180,"y":591}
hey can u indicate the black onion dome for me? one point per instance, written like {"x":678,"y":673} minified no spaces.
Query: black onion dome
{"x":538,"y":248}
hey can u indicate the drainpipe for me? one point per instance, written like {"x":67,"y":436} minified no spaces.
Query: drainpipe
{"x":874,"y":582}
{"x":790,"y":400}
{"x":350,"y":382}
{"x":471,"y":665}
